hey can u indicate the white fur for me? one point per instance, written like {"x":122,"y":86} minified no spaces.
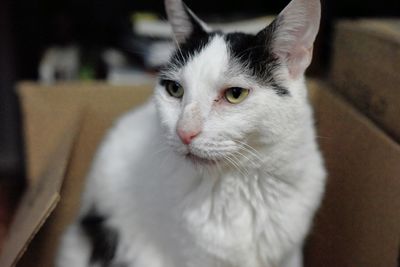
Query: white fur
{"x":251,"y":209}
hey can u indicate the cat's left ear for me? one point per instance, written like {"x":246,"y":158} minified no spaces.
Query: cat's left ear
{"x":294,"y":32}
{"x":183,"y":21}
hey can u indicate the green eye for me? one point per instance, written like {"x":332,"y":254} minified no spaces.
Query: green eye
{"x":174,"y":89}
{"x":235,"y":95}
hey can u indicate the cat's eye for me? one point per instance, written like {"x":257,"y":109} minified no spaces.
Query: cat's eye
{"x":174,"y":89}
{"x":235,"y":95}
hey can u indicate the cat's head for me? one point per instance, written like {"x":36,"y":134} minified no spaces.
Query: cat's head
{"x":221,"y":94}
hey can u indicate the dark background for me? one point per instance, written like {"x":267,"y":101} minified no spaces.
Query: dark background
{"x":28,"y":27}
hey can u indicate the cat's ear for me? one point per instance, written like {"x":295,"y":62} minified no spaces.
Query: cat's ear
{"x":183,"y":21}
{"x":294,"y":32}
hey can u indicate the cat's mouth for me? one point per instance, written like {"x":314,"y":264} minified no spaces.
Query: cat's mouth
{"x":200,"y":160}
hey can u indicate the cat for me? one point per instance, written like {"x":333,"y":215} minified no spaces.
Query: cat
{"x":221,"y":166}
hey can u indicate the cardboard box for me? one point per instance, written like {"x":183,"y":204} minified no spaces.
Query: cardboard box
{"x":63,"y":125}
{"x":359,"y":221}
{"x":365,"y":69}
{"x":358,"y":224}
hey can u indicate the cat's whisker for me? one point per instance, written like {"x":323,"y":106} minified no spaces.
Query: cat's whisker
{"x":245,"y":157}
{"x":241,"y":164}
{"x":229,"y":162}
{"x":254,"y":151}
{"x":243,"y":170}
{"x":249,"y":147}
{"x":251,"y":151}
{"x":234,"y":164}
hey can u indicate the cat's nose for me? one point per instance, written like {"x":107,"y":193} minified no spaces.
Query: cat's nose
{"x":187,"y":136}
{"x":190,"y":123}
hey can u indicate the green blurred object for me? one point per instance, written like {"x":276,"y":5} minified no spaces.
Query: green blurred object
{"x":87,"y":73}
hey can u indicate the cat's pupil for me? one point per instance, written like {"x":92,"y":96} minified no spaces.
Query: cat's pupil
{"x":236,"y":92}
{"x":175,"y":87}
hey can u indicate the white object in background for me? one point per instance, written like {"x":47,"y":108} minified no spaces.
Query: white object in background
{"x":59,"y":63}
{"x":114,"y":58}
{"x":129,"y":76}
{"x":159,"y":53}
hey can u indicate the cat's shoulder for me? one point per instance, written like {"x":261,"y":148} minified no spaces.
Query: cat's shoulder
{"x":119,"y":151}
{"x":132,"y":123}
{"x":139,"y":116}
{"x":128,"y":134}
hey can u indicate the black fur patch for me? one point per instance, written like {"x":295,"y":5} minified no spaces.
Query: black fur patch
{"x":194,"y":44}
{"x":254,"y":52}
{"x":104,"y":239}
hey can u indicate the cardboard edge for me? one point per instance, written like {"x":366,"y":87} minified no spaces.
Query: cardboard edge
{"x":49,"y":210}
{"x":41,"y":199}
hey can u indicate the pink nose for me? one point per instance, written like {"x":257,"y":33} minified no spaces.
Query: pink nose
{"x":187,"y":136}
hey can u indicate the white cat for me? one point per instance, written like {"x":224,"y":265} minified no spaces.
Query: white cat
{"x":221,"y":166}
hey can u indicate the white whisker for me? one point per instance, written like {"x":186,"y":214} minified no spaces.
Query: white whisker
{"x":252,"y":149}
{"x":235,"y":164}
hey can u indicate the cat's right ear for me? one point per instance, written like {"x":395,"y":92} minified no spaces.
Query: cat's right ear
{"x":183,"y":21}
{"x":294,"y":32}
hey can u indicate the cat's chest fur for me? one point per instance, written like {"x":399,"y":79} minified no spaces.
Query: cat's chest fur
{"x":243,"y":216}
{"x":245,"y":220}
{"x":221,"y":219}
{"x":232,"y":215}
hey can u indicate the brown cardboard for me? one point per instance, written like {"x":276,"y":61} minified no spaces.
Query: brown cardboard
{"x":356,"y":226}
{"x":39,"y":200}
{"x":359,"y":222}
{"x":98,"y":105}
{"x":366,"y":64}
{"x":45,"y":109}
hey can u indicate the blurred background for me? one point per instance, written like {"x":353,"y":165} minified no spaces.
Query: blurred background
{"x":48,"y":41}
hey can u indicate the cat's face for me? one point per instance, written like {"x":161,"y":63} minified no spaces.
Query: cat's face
{"x":222,"y":94}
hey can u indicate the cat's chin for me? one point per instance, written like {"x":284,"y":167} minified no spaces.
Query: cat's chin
{"x":197,"y":160}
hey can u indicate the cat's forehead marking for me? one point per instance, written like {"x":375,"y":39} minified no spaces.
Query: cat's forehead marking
{"x":251,"y":52}
{"x":209,"y":64}
{"x":193,"y":46}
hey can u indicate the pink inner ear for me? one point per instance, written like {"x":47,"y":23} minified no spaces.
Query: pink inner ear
{"x":298,"y":60}
{"x":295,"y":46}
{"x":295,"y":34}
